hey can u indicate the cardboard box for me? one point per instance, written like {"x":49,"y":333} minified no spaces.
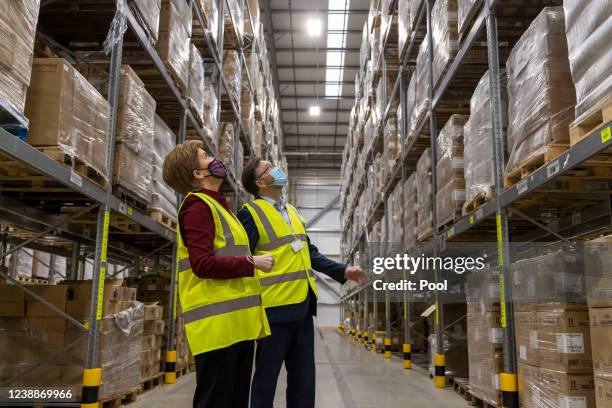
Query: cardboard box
{"x":9,"y":293}
{"x":528,"y":380}
{"x":12,"y":309}
{"x":79,"y":309}
{"x":81,"y":290}
{"x":603,"y":393}
{"x":39,"y":309}
{"x":153,"y":327}
{"x":598,"y":271}
{"x":46,"y":375}
{"x":601,"y":341}
{"x":564,"y":341}
{"x":154,"y":283}
{"x":148,"y":342}
{"x":565,"y":390}
{"x":526,"y":337}
{"x":47,"y":324}
{"x":153,"y":311}
{"x":48,"y":292}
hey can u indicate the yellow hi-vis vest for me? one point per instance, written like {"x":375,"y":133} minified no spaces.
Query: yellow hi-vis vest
{"x":291,"y":276}
{"x":220,"y":312}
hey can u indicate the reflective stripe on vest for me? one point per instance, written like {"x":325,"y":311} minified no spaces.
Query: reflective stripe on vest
{"x":228,"y":306}
{"x":275,"y":241}
{"x":286,"y":277}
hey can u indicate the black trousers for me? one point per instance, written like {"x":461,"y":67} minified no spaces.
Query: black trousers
{"x":223,"y":376}
{"x":293,"y":344}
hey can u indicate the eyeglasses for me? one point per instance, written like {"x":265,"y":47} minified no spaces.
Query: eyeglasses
{"x":265,"y":173}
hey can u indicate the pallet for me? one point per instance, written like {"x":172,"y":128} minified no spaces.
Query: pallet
{"x":462,"y":387}
{"x":129,"y":198}
{"x":449,"y":221}
{"x":525,"y":168}
{"x":31,"y":280}
{"x":163,"y":218}
{"x":476,"y":401}
{"x":478,"y":200}
{"x":183,"y":371}
{"x":121,"y":398}
{"x":75,"y":163}
{"x":589,"y":122}
{"x":152,"y":381}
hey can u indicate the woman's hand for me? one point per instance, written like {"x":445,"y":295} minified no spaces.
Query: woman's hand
{"x":264,"y":262}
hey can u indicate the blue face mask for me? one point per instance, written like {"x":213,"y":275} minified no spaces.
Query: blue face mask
{"x":279,"y":176}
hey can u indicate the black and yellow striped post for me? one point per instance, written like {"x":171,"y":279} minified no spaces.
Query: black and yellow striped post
{"x":340,"y":329}
{"x":358,"y":336}
{"x":92,"y":378}
{"x":170,"y":373}
{"x":374,"y":347}
{"x":387,"y":344}
{"x":407,"y":348}
{"x":509,"y":389}
{"x":439,"y":371}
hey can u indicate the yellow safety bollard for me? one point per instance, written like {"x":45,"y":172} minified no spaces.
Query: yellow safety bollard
{"x":439,"y":371}
{"x":407,"y":348}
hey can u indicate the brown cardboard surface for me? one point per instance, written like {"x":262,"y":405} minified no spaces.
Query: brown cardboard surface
{"x":12,"y":309}
{"x":601,"y":341}
{"x":48,"y":292}
{"x":603,"y":393}
{"x":558,"y":387}
{"x":39,"y":309}
{"x":11,"y":293}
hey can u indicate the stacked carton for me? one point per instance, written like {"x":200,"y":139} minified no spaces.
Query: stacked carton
{"x":233,"y":21}
{"x":588,"y":28}
{"x":232,"y":70}
{"x":485,"y":335}
{"x":465,"y":11}
{"x":421,"y":85}
{"x":173,"y":44}
{"x":152,"y":338}
{"x":403,"y":17}
{"x":444,"y":35}
{"x":195,"y":95}
{"x":479,"y":152}
{"x":449,"y":171}
{"x":132,"y":165}
{"x":148,"y":11}
{"x":20,"y":263}
{"x":410,"y":210}
{"x":47,"y":266}
{"x":392,"y":148}
{"x":541,"y":95}
{"x":598,"y":267}
{"x":552,"y":330}
{"x":66,"y":112}
{"x":454,"y":338}
{"x":226,"y":144}
{"x":17,"y":29}
{"x":163,"y":198}
{"x":424,"y":228}
{"x":210,"y":121}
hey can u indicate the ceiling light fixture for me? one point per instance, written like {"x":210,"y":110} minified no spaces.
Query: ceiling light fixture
{"x":313,"y":27}
{"x":314,"y":111}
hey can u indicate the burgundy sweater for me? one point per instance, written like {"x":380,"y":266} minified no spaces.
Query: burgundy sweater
{"x":198,"y":231}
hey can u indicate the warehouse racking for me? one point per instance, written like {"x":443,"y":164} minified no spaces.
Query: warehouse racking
{"x":505,"y":219}
{"x":91,"y":226}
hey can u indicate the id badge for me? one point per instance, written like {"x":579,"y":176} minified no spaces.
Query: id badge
{"x":297,"y":245}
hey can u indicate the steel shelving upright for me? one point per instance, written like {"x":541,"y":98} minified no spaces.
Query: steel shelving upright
{"x":155,"y":238}
{"x":496,"y":217}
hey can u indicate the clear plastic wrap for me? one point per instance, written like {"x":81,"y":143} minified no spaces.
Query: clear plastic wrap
{"x":391,"y":145}
{"x":449,"y":170}
{"x":541,"y":95}
{"x":411,"y":109}
{"x":424,"y":227}
{"x":148,"y":11}
{"x":465,"y":11}
{"x":403,"y":23}
{"x":173,"y":43}
{"x":597,"y":267}
{"x":444,"y":34}
{"x":44,"y":261}
{"x":247,"y":111}
{"x":397,"y":231}
{"x":66,"y":111}
{"x":543,"y":388}
{"x":234,"y":24}
{"x":251,"y":31}
{"x":211,"y":106}
{"x":232,"y":73}
{"x":478,"y":150}
{"x":588,"y":27}
{"x":20,"y":262}
{"x":195,"y":96}
{"x":132,"y":165}
{"x":410,"y":210}
{"x":211,"y":17}
{"x":422,"y":96}
{"x":163,"y":198}
{"x":415,"y":6}
{"x":17,"y":29}
{"x":226,"y":144}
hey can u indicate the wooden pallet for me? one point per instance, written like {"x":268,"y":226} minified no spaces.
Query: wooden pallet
{"x":129,"y":198}
{"x":526,"y":167}
{"x":450,"y":220}
{"x":152,"y":381}
{"x":476,"y":401}
{"x":479,"y":199}
{"x":31,"y":280}
{"x":163,"y":218}
{"x":183,"y":371}
{"x":462,"y":387}
{"x":590,"y":122}
{"x":121,"y":398}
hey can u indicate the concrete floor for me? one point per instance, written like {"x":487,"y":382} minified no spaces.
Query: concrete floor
{"x":347,"y":376}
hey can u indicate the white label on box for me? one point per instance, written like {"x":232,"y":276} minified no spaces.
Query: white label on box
{"x":76,"y":178}
{"x":496,"y":335}
{"x":495,"y":381}
{"x":522,"y":186}
{"x":458,"y":163}
{"x":533,"y":339}
{"x":567,"y":401}
{"x":523,"y":352}
{"x":552,"y":168}
{"x":570,"y":343}
{"x":459,"y":195}
{"x":122,"y":207}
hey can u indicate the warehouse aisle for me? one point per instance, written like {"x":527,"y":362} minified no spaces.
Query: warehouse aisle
{"x":347,"y":376}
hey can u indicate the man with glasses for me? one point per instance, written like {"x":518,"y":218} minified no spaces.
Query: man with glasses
{"x":289,"y":292}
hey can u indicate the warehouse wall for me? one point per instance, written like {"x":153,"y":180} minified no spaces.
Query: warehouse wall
{"x":310,"y":192}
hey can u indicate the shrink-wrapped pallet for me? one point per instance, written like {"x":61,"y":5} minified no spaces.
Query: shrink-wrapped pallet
{"x":163,"y":198}
{"x":422,"y":85}
{"x":226,"y":144}
{"x":234,"y":24}
{"x":479,"y":152}
{"x":444,"y":35}
{"x":391,"y":146}
{"x":598,"y":271}
{"x":66,"y":112}
{"x":449,"y":171}
{"x":588,"y":26}
{"x":211,"y":107}
{"x":424,"y":227}
{"x":195,"y":95}
{"x":543,"y":388}
{"x":173,"y":44}
{"x":410,"y":210}
{"x":132,"y":165}
{"x":415,"y":7}
{"x":411,"y":110}
{"x":403,"y":24}
{"x":465,"y":11}
{"x":210,"y":14}
{"x":541,"y":95}
{"x":17,"y":29}
{"x":148,"y":12}
{"x":232,"y":73}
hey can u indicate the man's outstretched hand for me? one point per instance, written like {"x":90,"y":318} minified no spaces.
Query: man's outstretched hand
{"x":354,"y":273}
